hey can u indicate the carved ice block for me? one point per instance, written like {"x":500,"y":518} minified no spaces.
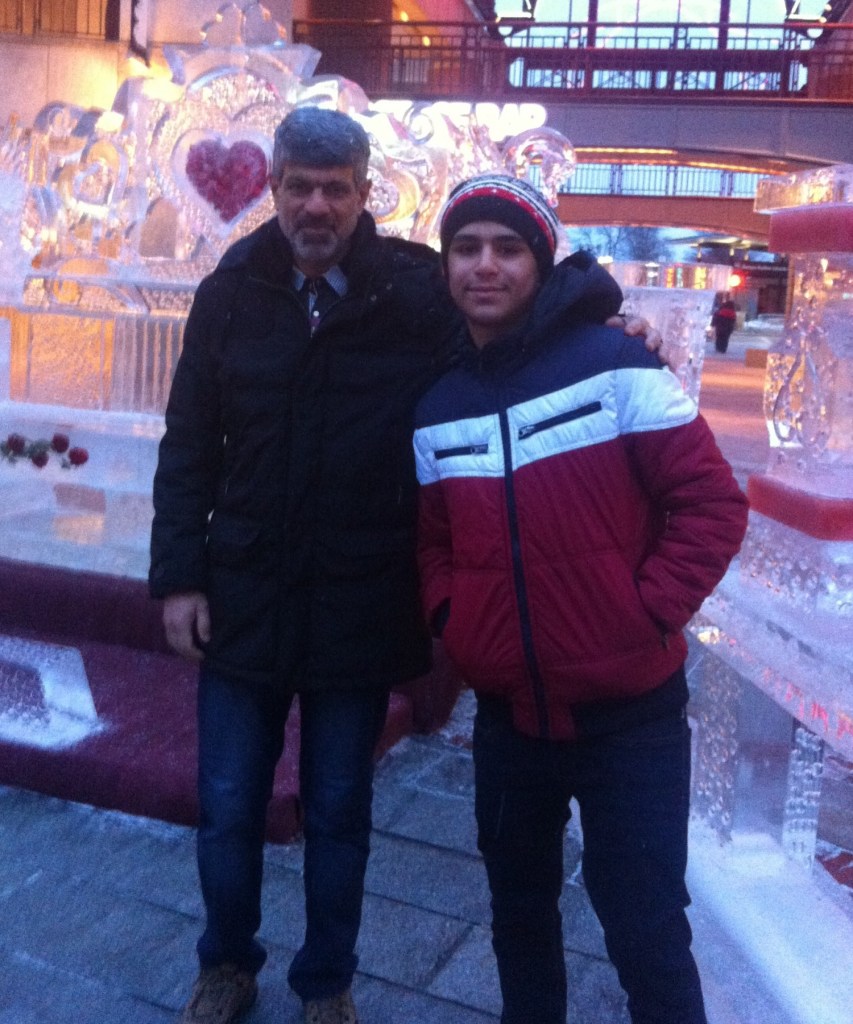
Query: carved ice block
{"x":782,"y":618}
{"x":46,"y":701}
{"x":802,"y":800}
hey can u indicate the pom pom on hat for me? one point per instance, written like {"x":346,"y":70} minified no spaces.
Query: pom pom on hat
{"x":505,"y":200}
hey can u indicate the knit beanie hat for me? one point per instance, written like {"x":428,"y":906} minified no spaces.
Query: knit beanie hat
{"x":505,"y":200}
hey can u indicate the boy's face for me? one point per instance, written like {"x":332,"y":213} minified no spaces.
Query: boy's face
{"x":493,"y":279}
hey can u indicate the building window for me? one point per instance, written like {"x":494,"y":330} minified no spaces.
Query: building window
{"x":93,"y":18}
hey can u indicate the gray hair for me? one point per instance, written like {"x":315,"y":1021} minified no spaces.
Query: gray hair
{"x":316,"y":137}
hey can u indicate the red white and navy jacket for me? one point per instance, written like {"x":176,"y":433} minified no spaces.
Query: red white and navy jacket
{"x":575,"y":511}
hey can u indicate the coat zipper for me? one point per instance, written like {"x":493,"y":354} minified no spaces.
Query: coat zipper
{"x":520,"y":583}
{"x":554,"y":421}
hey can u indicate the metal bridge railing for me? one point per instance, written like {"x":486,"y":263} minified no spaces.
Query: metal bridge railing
{"x":661,"y":180}
{"x":454,"y":60}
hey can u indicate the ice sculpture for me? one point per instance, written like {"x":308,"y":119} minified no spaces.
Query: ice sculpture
{"x":108,"y":220}
{"x":46,"y":699}
{"x":681,"y":310}
{"x":681,"y":315}
{"x":783,"y":616}
{"x":15,"y":262}
{"x":158,"y":187}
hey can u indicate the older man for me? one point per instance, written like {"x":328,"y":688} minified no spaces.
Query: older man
{"x":284,"y":542}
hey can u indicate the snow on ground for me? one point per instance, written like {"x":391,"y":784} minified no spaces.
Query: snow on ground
{"x":794,"y":927}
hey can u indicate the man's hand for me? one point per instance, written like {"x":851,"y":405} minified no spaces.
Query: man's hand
{"x":639,"y":327}
{"x":187,"y":621}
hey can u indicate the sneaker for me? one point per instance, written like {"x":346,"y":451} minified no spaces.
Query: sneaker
{"x":221,"y":995}
{"x":337,"y":1010}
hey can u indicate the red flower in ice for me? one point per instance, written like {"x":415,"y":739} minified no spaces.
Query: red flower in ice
{"x":16,"y":444}
{"x":229,"y":178}
{"x":16,"y":447}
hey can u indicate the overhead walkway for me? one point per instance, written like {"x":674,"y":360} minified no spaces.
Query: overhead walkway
{"x":775,"y":93}
{"x":699,"y":213}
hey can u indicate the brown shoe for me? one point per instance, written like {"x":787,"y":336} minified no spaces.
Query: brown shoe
{"x":221,"y":995}
{"x":337,"y":1010}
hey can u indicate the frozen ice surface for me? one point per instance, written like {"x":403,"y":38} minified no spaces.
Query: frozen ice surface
{"x":811,"y":579}
{"x":806,"y":668}
{"x":791,"y":925}
{"x":802,"y":806}
{"x":97,"y":517}
{"x":681,"y":315}
{"x":62,"y":713}
{"x":805,"y":188}
{"x":808,"y":394}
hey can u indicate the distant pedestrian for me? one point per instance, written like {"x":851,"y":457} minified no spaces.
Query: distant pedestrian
{"x":723,"y":322}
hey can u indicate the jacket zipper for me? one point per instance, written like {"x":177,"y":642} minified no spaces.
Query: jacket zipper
{"x":520,"y":583}
{"x":554,"y":421}
{"x":466,"y":449}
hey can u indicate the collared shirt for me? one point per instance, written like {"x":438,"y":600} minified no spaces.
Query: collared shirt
{"x":335,"y":278}
{"x":323,"y":293}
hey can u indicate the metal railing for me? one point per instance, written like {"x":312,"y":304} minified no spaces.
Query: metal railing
{"x":455,"y":60}
{"x":87,"y":18}
{"x":661,"y":180}
{"x":96,"y":343}
{"x":105,"y":363}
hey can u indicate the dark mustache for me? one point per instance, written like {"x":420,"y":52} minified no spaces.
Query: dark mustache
{"x":315,"y":225}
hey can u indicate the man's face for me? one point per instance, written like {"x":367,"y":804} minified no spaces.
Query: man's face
{"x":493,"y":278}
{"x":318,"y":208}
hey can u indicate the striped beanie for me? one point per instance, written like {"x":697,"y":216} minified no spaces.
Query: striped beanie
{"x":505,"y":200}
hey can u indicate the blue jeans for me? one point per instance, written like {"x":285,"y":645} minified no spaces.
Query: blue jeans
{"x":632,"y":788}
{"x":241,"y":738}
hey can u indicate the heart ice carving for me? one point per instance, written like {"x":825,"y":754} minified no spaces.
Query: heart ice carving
{"x":230,"y":178}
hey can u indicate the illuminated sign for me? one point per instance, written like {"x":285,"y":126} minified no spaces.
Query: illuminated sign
{"x":503,"y":121}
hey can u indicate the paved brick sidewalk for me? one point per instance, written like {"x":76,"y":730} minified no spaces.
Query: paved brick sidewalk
{"x":100,"y":913}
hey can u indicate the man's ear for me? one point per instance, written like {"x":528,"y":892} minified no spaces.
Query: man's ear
{"x":364,"y":192}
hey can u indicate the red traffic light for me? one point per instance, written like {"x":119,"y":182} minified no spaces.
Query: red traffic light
{"x":735,"y":280}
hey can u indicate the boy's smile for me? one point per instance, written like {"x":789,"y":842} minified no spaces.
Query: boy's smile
{"x":493,"y":278}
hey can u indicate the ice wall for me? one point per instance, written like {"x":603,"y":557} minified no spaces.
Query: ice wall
{"x":782,"y":619}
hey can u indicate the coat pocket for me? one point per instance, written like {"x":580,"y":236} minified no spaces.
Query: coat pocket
{"x":236,"y":542}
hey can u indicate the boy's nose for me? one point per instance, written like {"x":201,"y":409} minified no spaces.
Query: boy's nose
{"x":486,"y":260}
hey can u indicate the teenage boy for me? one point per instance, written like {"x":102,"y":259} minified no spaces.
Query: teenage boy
{"x":574,"y":513}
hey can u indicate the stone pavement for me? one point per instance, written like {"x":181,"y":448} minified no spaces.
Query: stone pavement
{"x":100,"y":912}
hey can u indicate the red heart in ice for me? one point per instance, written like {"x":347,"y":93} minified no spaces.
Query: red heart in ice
{"x":230,"y":178}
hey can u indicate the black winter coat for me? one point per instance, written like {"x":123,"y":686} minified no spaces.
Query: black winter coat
{"x":285,"y":489}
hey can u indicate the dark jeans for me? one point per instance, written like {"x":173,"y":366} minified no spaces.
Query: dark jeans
{"x":241,"y":738}
{"x":632,"y":788}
